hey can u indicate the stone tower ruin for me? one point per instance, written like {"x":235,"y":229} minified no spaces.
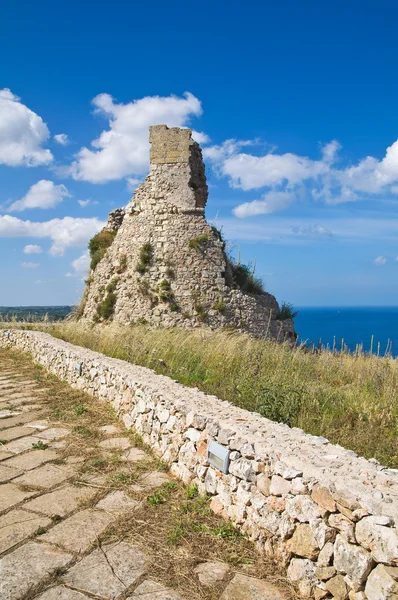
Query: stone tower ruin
{"x":158,"y":260}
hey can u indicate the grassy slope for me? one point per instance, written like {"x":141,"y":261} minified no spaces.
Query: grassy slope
{"x":351,"y":400}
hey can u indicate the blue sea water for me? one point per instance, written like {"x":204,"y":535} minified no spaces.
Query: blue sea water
{"x":354,"y":325}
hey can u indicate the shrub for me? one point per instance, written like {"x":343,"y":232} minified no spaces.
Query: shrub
{"x":219,"y":305}
{"x":287,"y":311}
{"x":106,"y":308}
{"x":98,"y":246}
{"x":199,"y":242}
{"x":145,"y":258}
{"x":165,"y":292}
{"x":122,"y":264}
{"x":243,"y":276}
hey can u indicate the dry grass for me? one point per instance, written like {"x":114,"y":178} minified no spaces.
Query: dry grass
{"x":351,"y":400}
{"x":173,"y":525}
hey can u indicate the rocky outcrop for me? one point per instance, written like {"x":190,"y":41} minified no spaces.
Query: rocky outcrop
{"x":166,"y":265}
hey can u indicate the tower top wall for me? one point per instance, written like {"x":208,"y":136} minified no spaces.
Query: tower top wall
{"x":170,"y":145}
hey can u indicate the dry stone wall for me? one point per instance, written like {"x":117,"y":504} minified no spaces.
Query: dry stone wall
{"x":328,"y":514}
{"x":166,"y":265}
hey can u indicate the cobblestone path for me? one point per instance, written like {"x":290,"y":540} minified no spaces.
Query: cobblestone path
{"x":84,"y":511}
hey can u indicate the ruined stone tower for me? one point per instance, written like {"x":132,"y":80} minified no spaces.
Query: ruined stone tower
{"x":159,"y":261}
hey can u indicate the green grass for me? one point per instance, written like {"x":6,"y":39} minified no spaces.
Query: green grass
{"x":349,"y":399}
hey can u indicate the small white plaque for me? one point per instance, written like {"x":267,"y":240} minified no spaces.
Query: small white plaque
{"x":218,"y":456}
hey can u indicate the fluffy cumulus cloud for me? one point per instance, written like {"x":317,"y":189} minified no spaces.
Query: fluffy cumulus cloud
{"x":269,"y":203}
{"x":123,"y":149}
{"x":80,"y":266}
{"x":22,"y":134}
{"x":380,"y":261}
{"x":287,"y":177}
{"x":61,"y":138}
{"x":64,"y":233}
{"x":32,"y":249}
{"x":43,"y":194}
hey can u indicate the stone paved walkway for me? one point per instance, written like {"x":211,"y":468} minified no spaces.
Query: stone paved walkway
{"x":59,"y":521}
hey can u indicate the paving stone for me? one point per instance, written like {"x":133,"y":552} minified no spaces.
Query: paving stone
{"x":17,"y":525}
{"x":109,"y":429}
{"x":60,"y":502}
{"x":134,"y":455}
{"x":10,"y":495}
{"x":108,"y":571}
{"x":8,"y":413}
{"x":41,"y":424}
{"x":14,"y":433}
{"x":4,"y":455}
{"x":212,"y":573}
{"x":19,"y":419}
{"x":77,"y":533}
{"x":7,"y":473}
{"x":53,"y":433}
{"x":27,"y":566}
{"x":60,"y":592}
{"x":154,"y":479}
{"x":151,"y":590}
{"x":117,"y":502}
{"x":31,"y":460}
{"x":21,"y":445}
{"x":45,"y":476}
{"x":116,"y":443}
{"x":248,"y":588}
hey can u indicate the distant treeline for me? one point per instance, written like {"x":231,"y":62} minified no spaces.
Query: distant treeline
{"x":31,"y":314}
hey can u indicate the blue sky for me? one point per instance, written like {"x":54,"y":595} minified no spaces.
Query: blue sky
{"x":294,"y":105}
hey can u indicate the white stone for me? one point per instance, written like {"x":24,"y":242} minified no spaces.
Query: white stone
{"x":382,"y":584}
{"x":352,"y":560}
{"x":380,"y":540}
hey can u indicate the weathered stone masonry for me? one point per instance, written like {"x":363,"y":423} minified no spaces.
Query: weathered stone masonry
{"x":329,"y":514}
{"x":186,"y":279}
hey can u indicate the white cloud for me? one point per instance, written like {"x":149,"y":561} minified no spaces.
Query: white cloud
{"x":80,"y":266}
{"x":29,"y":265}
{"x":32,"y":249}
{"x":200,"y":137}
{"x":379,"y":261}
{"x":84,"y":203}
{"x":64,"y":233}
{"x":270,"y":202}
{"x":313,"y":231}
{"x":43,"y":194}
{"x":61,"y":138}
{"x":123,"y":149}
{"x":288,"y":173}
{"x":300,"y":230}
{"x":22,"y":134}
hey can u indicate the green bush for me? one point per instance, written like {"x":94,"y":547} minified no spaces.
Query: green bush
{"x":106,"y":308}
{"x":199,"y":242}
{"x":287,"y":311}
{"x":98,"y":246}
{"x":145,"y":258}
{"x":244,"y":278}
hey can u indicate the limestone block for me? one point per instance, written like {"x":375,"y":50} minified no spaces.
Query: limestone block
{"x":303,"y":542}
{"x":303,"y":508}
{"x":212,"y":573}
{"x":382,"y":541}
{"x":322,"y":496}
{"x":344,"y":525}
{"x":337,"y":587}
{"x":279,"y":486}
{"x":302,"y":572}
{"x":382,"y":583}
{"x":352,"y":560}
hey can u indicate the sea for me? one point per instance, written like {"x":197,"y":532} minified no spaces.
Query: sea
{"x":374,"y":328}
